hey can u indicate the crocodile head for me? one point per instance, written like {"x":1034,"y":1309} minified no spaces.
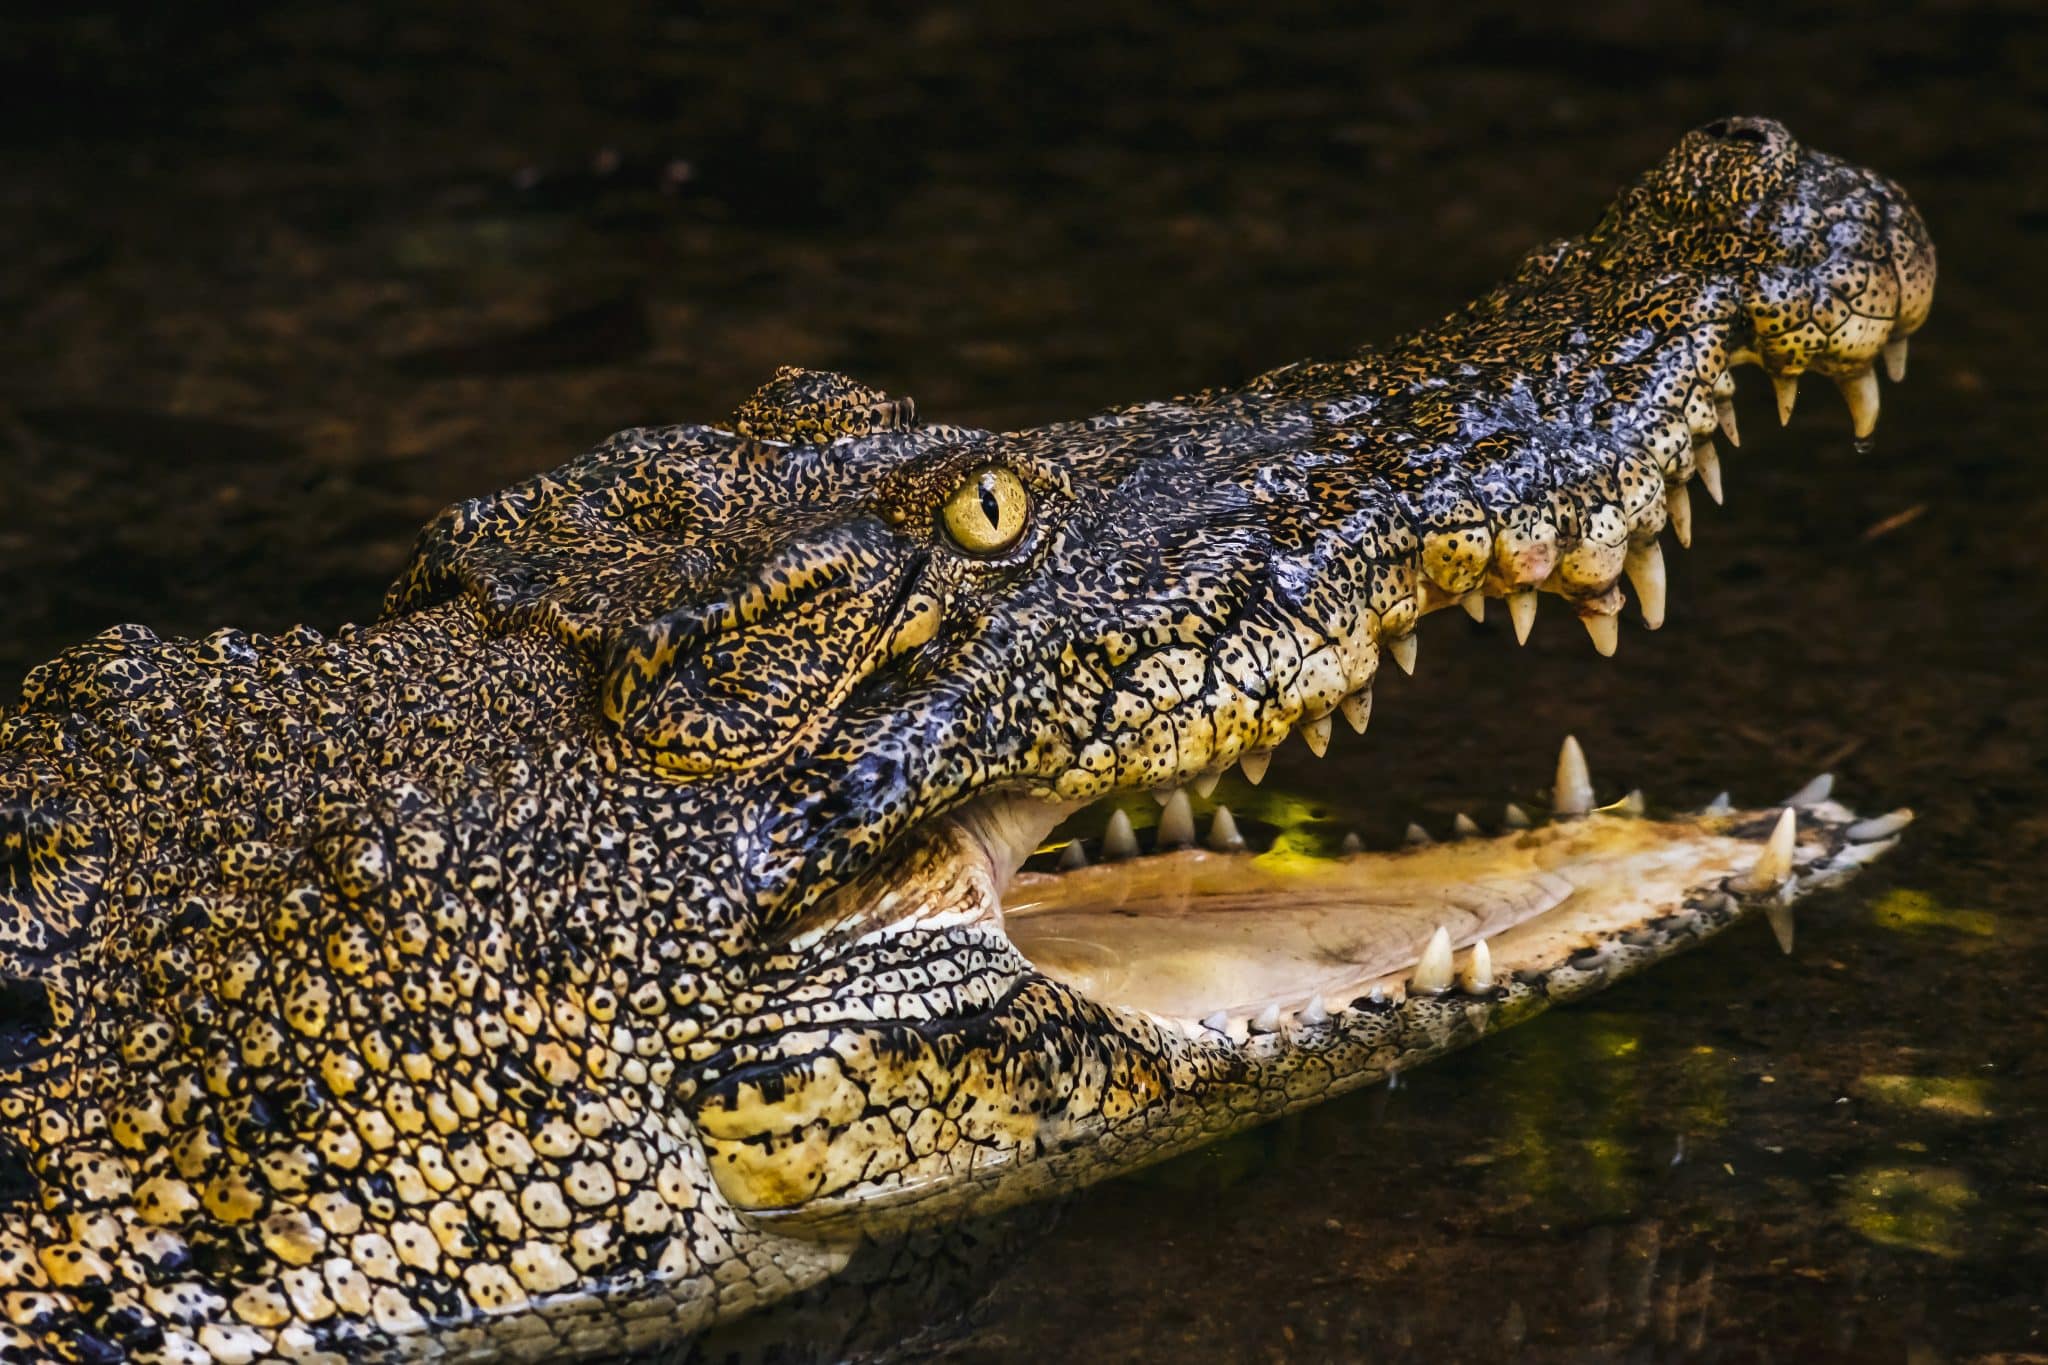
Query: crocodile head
{"x":642,"y":911}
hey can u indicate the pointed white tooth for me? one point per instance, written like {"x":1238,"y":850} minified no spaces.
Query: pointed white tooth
{"x":1880,"y":826}
{"x":1118,"y":839}
{"x":1814,"y":792}
{"x":1634,"y":803}
{"x":1352,"y":843}
{"x":1417,"y":834}
{"x":1219,"y":1022}
{"x":1573,"y":792}
{"x":1404,"y":653}
{"x":1774,"y":864}
{"x":1315,"y":1011}
{"x":1720,"y":805}
{"x":1464,"y":826}
{"x":1707,"y":461}
{"x":1433,"y":972}
{"x":1357,"y":709}
{"x":1787,"y":388}
{"x":1205,"y":785}
{"x":1164,"y":794}
{"x":1780,"y":916}
{"x":1725,"y":411}
{"x":1267,"y":1021}
{"x":1516,"y":818}
{"x":1223,"y":835}
{"x":1073,"y":856}
{"x":1177,"y":822}
{"x":1522,"y":611}
{"x":1895,"y":360}
{"x":1605,"y":632}
{"x":1477,"y":978}
{"x":1474,"y":604}
{"x":1678,"y":512}
{"x":1255,"y":764}
{"x":1860,"y":393}
{"x":1317,"y":735}
{"x":1645,"y":566}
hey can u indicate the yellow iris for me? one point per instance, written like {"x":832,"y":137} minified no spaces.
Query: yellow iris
{"x":988,"y":511}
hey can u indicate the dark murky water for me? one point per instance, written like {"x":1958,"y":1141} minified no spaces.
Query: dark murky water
{"x":277,"y":289}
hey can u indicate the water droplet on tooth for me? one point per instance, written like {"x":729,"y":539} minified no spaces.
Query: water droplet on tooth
{"x":1516,"y":817}
{"x":1707,"y":461}
{"x":1223,"y":835}
{"x":1645,"y":568}
{"x":1316,"y":733}
{"x":1860,"y":392}
{"x":1073,"y":856}
{"x":1267,"y":1020}
{"x":1404,"y":653}
{"x":1177,"y":822}
{"x":1522,"y":611}
{"x":1255,"y":764}
{"x":1433,"y":972}
{"x":1814,"y":792}
{"x":1787,"y":387}
{"x":1678,"y":512}
{"x":1417,"y":834}
{"x":1205,"y":785}
{"x":1725,"y":411}
{"x":1573,"y":793}
{"x":1118,"y":839}
{"x":1895,"y":360}
{"x":1474,"y":604}
{"x":1357,"y":709}
{"x":1464,"y":826}
{"x":1477,"y":978}
{"x":1774,"y":864}
{"x":1879,"y":827}
{"x":1605,"y":632}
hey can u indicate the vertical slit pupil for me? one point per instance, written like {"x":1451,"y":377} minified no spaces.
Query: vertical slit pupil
{"x":991,"y":506}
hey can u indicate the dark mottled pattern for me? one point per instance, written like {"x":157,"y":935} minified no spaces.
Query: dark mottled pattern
{"x":394,"y":982}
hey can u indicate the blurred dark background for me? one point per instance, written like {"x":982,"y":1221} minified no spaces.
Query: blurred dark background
{"x":280,"y":284}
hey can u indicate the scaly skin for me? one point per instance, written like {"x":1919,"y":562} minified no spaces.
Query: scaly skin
{"x":595,"y":947}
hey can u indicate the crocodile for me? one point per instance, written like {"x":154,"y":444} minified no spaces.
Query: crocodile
{"x":678,"y":886}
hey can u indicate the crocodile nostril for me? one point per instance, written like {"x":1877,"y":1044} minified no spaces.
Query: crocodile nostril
{"x":1727,"y":130}
{"x":28,"y":1022}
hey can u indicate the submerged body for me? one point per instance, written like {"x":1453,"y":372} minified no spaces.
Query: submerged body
{"x":603,"y":943}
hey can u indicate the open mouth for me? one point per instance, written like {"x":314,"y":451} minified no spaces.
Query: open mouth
{"x":1224,"y":930}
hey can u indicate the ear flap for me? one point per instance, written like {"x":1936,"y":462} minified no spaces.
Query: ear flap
{"x":735,"y":679}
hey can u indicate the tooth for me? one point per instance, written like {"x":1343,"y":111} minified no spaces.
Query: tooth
{"x":1879,"y":827}
{"x":1357,"y":709}
{"x":1725,"y":410}
{"x":1645,"y":566}
{"x":1814,"y":792}
{"x":1787,"y":386}
{"x":1433,"y":972}
{"x":1254,"y":764}
{"x":1404,"y":653}
{"x":1315,"y":1011}
{"x":1223,"y":835}
{"x":1464,"y":826}
{"x":1417,"y":834}
{"x":1118,"y":840}
{"x":1707,"y":460}
{"x":1474,"y":604}
{"x":1517,"y":818}
{"x":1780,"y":917}
{"x":1352,"y":843}
{"x":1634,"y":803}
{"x":1720,"y":805}
{"x":1073,"y":856}
{"x":1606,"y":634}
{"x":1678,"y":511}
{"x":1177,"y":822}
{"x":1774,"y":864}
{"x":1268,"y":1020}
{"x":1522,"y":611}
{"x":1205,"y":785}
{"x":1895,"y":360}
{"x":1573,"y":794}
{"x":1317,"y":733}
{"x":1477,"y":978}
{"x":1860,"y":392}
{"x":1219,"y":1022}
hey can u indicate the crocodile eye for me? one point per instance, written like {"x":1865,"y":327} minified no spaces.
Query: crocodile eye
{"x":987,"y":513}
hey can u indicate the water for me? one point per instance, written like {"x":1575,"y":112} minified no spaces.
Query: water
{"x":279,"y":288}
